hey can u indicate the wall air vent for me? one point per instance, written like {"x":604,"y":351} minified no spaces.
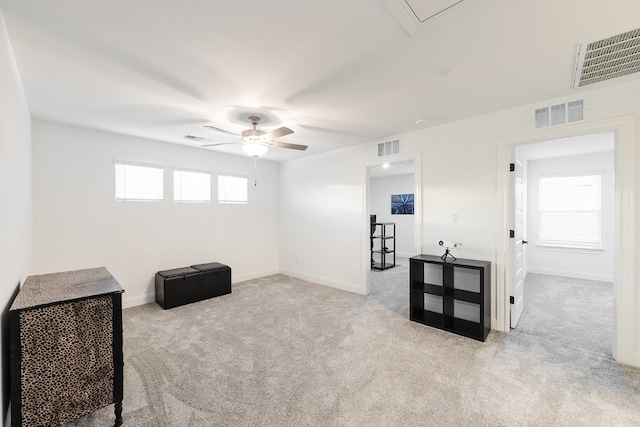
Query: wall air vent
{"x":607,"y":59}
{"x":389,"y":148}
{"x":559,"y":114}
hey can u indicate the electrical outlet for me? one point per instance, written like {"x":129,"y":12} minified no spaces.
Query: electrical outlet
{"x":454,"y":218}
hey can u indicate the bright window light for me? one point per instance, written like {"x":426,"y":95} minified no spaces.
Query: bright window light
{"x":571,"y":211}
{"x":138,"y":183}
{"x":232,"y":189}
{"x":191,"y":186}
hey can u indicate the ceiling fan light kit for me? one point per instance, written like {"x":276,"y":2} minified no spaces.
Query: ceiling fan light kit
{"x":254,"y":142}
{"x":254,"y":150}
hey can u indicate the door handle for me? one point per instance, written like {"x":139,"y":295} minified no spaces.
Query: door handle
{"x":524,"y":242}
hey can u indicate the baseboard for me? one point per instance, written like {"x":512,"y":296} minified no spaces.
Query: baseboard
{"x":253,"y":275}
{"x":138,"y":300}
{"x":321,"y":280}
{"x":572,"y":274}
{"x":404,"y":254}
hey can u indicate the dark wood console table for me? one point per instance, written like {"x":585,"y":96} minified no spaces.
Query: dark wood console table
{"x":66,"y":347}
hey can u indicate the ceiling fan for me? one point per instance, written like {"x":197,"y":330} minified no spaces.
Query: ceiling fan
{"x":254,"y":142}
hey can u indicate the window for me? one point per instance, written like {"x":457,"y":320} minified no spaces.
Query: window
{"x":138,"y":183}
{"x":570,"y":211}
{"x":232,"y":189}
{"x":191,"y":187}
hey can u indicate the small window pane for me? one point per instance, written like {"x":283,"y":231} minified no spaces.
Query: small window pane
{"x":232,"y":189}
{"x":191,"y":186}
{"x":138,"y":183}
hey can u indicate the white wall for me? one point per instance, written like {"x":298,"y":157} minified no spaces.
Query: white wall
{"x":381,"y":190}
{"x":78,"y":223}
{"x":593,"y":265}
{"x":16,"y":252}
{"x":459,"y":175}
{"x":321,"y":219}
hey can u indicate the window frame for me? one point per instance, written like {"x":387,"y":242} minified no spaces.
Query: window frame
{"x":194,"y":171}
{"x":125,"y":199}
{"x":232,"y":202}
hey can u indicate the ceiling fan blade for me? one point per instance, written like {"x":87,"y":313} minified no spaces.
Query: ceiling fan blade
{"x":219,"y":143}
{"x":196,"y":138}
{"x":221,"y":130}
{"x":286,"y":145}
{"x":277,"y":133}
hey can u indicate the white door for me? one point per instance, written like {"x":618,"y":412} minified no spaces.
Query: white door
{"x":517,"y":242}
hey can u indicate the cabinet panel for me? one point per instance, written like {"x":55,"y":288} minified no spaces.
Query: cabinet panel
{"x":66,"y":347}
{"x":433,"y":274}
{"x":466,"y":279}
{"x":433,"y":303}
{"x":466,"y":310}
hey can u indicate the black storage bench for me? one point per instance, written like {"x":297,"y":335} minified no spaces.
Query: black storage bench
{"x":216,"y":279}
{"x":182,"y":286}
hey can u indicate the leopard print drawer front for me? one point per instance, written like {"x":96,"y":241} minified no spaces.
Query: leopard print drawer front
{"x":67,"y":361}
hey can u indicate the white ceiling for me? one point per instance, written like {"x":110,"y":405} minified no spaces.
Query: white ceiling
{"x":337,"y":72}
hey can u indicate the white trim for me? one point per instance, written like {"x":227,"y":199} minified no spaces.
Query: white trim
{"x":550,"y":247}
{"x":321,"y":280}
{"x":139,"y":300}
{"x":237,"y":278}
{"x":572,"y":274}
{"x":626,"y":324}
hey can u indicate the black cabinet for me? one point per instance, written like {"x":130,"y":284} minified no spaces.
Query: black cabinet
{"x":451,"y":295}
{"x":66,"y":347}
{"x":383,"y":245}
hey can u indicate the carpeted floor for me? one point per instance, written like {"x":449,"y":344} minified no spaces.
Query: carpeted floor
{"x":279,"y":351}
{"x":573,"y":311}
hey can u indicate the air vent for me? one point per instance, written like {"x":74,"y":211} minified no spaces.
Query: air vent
{"x":389,"y":148}
{"x":607,"y":59}
{"x":559,"y":114}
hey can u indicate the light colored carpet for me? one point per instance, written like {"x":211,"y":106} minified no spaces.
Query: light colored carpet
{"x":574,"y":311}
{"x":279,"y":351}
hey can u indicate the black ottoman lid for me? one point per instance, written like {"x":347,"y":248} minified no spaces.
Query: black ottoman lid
{"x":210,"y":266}
{"x":185,"y":271}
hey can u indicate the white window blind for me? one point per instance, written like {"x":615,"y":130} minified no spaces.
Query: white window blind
{"x":138,"y":183}
{"x":191,"y":187}
{"x":570,"y":211}
{"x":232,"y":189}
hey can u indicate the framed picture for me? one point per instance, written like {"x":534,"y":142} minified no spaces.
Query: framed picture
{"x":402,"y":204}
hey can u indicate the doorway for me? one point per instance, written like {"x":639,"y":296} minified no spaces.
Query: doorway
{"x":382,"y":181}
{"x":569,"y":230}
{"x":626,"y":339}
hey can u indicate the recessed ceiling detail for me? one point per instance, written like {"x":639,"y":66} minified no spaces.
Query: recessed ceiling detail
{"x":410,"y":14}
{"x":425,"y":9}
{"x":607,"y":58}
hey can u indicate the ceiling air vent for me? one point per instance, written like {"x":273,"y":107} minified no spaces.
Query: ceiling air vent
{"x":388,"y":148}
{"x":606,"y":59}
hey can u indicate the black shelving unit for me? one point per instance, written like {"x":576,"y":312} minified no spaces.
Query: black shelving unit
{"x":383,"y":245}
{"x":451,"y":295}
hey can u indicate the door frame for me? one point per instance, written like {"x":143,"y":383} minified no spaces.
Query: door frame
{"x":626,"y":331}
{"x":416,"y":158}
